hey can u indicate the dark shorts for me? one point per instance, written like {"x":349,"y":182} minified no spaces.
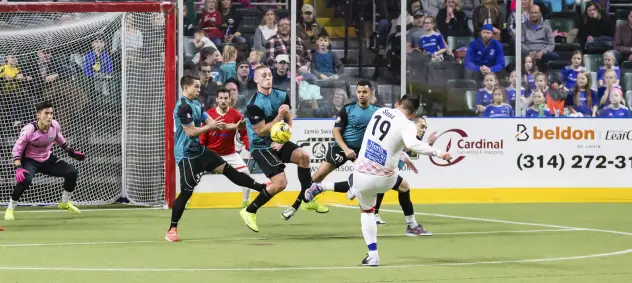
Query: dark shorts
{"x":51,"y":167}
{"x":272,"y":162}
{"x":336,"y":155}
{"x":192,"y":169}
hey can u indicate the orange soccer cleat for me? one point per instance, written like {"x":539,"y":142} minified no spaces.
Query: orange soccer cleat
{"x":172,"y":235}
{"x":1,"y":229}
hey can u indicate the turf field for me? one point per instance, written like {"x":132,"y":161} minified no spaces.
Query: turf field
{"x":472,"y":243}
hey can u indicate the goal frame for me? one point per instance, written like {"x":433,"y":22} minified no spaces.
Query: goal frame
{"x":169,"y":10}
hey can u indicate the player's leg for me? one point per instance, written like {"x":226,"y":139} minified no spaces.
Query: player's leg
{"x":334,"y":158}
{"x":378,"y":204}
{"x":216,"y":164}
{"x":60,"y":168}
{"x":292,"y":153}
{"x":238,"y":164}
{"x":272,"y":166}
{"x":190,"y":173}
{"x":412,"y":227}
{"x":31,"y":166}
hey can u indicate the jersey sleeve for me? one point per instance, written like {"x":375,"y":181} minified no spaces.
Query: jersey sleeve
{"x":185,"y":114}
{"x":341,"y":121}
{"x":409,"y":135}
{"x":287,"y":100}
{"x":59,"y":139}
{"x":255,"y":114}
{"x":23,"y":141}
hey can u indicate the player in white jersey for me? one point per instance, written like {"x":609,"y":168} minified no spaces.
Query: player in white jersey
{"x":375,"y":170}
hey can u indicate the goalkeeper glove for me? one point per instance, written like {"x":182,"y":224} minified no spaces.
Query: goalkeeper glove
{"x":78,"y":155}
{"x":20,"y":174}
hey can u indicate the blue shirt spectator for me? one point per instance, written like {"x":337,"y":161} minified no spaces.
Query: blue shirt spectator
{"x":611,"y":111}
{"x":432,"y":43}
{"x":498,"y":111}
{"x":481,"y":54}
{"x":569,"y":76}
{"x":602,"y":70}
{"x":581,"y":104}
{"x":484,"y":97}
{"x":544,"y":112}
{"x":97,"y":61}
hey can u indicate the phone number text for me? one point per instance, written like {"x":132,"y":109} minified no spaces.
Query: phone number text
{"x":559,"y":161}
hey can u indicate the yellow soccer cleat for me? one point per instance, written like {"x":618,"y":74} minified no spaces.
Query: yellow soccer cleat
{"x":8,"y":215}
{"x":70,"y":207}
{"x":313,"y":205}
{"x":250,"y":219}
{"x":245,"y":203}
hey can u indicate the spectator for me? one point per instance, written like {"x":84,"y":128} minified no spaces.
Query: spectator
{"x":243,"y":76}
{"x":582,"y":101}
{"x":623,"y":39}
{"x":280,"y":74}
{"x":266,"y":30}
{"x":609,"y":62}
{"x":413,"y":7}
{"x":488,"y":13}
{"x":539,"y":108}
{"x":524,"y":17}
{"x":280,"y":44}
{"x":208,"y":88}
{"x":596,"y":29}
{"x":47,"y":71}
{"x":12,"y":77}
{"x":468,"y":8}
{"x":432,"y":41}
{"x":255,"y":59}
{"x":615,"y":109}
{"x":211,"y":21}
{"x":97,"y":62}
{"x":537,"y":37}
{"x":308,"y":29}
{"x":213,"y":58}
{"x":529,"y":71}
{"x":451,"y":20}
{"x":331,"y":108}
{"x":201,"y":41}
{"x":554,"y":96}
{"x":327,"y":65}
{"x":229,"y":66}
{"x":413,"y":36}
{"x":499,"y":108}
{"x":611,"y":84}
{"x":238,"y":96}
{"x":431,"y":7}
{"x":189,"y":20}
{"x":133,"y":37}
{"x":511,"y":92}
{"x":231,"y":23}
{"x":485,"y":95}
{"x":484,"y":55}
{"x":569,"y":73}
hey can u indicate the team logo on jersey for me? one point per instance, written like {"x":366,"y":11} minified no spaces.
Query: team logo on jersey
{"x":50,"y":138}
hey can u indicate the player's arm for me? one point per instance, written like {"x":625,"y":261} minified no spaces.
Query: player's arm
{"x":185,"y":114}
{"x":21,"y":144}
{"x":60,"y":140}
{"x":339,"y":128}
{"x":258,"y":120}
{"x":409,"y":134}
{"x":288,"y":115}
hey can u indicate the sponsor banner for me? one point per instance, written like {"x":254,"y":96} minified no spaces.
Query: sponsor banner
{"x":492,"y":153}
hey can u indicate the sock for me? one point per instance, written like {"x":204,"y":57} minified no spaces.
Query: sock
{"x":411,"y":221}
{"x":327,"y":186}
{"x":12,"y":204}
{"x":242,"y":179}
{"x":405,"y":203}
{"x":378,"y":203}
{"x":65,"y":196}
{"x":259,"y":201}
{"x":178,"y":208}
{"x":246,"y":193}
{"x":304,"y":176}
{"x":369,"y":231}
{"x":341,"y":187}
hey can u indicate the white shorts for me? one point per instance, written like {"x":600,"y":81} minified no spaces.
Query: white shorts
{"x":367,"y":186}
{"x":236,"y":162}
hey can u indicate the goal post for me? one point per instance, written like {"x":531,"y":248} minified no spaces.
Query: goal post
{"x":110,"y":70}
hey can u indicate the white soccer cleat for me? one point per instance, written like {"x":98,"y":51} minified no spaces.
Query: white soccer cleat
{"x":351,"y":194}
{"x":288,"y":213}
{"x":378,"y":220}
{"x":371,"y":261}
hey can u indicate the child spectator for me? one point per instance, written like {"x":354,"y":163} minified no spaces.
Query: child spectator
{"x":529,"y":71}
{"x":484,"y":96}
{"x":327,"y":65}
{"x":539,"y":108}
{"x":432,"y":41}
{"x":569,"y":73}
{"x":201,"y":41}
{"x":511,"y":90}
{"x":498,"y":108}
{"x":255,"y":59}
{"x":229,"y":67}
{"x":583,"y":100}
{"x":608,"y":64}
{"x":615,"y":109}
{"x":610,"y":79}
{"x":554,"y":96}
{"x":210,"y":22}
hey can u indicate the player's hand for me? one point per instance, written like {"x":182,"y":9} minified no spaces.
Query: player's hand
{"x":20,"y":174}
{"x":411,"y":165}
{"x":78,"y":155}
{"x":216,"y":125}
{"x":351,"y":155}
{"x":284,"y":109}
{"x":432,"y":138}
{"x":446,"y":156}
{"x":276,"y":146}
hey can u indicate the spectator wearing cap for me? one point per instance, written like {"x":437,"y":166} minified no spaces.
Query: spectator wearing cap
{"x":484,"y":55}
{"x":414,"y":34}
{"x":243,"y":76}
{"x":451,"y":20}
{"x":537,"y":37}
{"x":623,"y":39}
{"x":308,"y":29}
{"x":231,"y":22}
{"x":327,"y":65}
{"x":280,"y":72}
{"x":280,"y":44}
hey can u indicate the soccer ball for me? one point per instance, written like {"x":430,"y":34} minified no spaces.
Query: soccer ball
{"x":280,"y":132}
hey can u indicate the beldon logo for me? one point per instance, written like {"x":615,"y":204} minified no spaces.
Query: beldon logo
{"x":557,"y":133}
{"x":465,"y":145}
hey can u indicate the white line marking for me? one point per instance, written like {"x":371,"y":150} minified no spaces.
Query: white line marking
{"x":313,"y":268}
{"x":274,"y":238}
{"x":93,"y":210}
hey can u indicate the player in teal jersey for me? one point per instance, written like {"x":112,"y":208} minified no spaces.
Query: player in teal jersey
{"x":267,"y":107}
{"x":194,"y":159}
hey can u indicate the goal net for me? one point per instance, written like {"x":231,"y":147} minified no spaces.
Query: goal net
{"x":102,"y":65}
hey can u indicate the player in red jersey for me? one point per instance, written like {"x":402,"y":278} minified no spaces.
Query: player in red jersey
{"x":222,"y":142}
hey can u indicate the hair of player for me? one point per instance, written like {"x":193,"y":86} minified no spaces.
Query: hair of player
{"x":232,"y":80}
{"x":43,"y":105}
{"x":366,"y":83}
{"x":409,"y":103}
{"x":222,"y":90}
{"x":261,"y":67}
{"x":188,"y":80}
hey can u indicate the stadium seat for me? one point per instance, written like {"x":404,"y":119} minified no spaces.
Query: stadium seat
{"x":504,"y":83}
{"x":189,"y":48}
{"x":621,"y":22}
{"x":556,"y":65}
{"x":563,"y":15}
{"x":594,"y":83}
{"x":626,"y":67}
{"x":565,"y":50}
{"x":622,"y":14}
{"x":327,"y":87}
{"x":510,"y":60}
{"x":470,"y":97}
{"x":628,"y":98}
{"x":440,"y":72}
{"x":456,"y":42}
{"x":627,"y":81}
{"x":456,"y":98}
{"x":562,"y":25}
{"x":593,"y":61}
